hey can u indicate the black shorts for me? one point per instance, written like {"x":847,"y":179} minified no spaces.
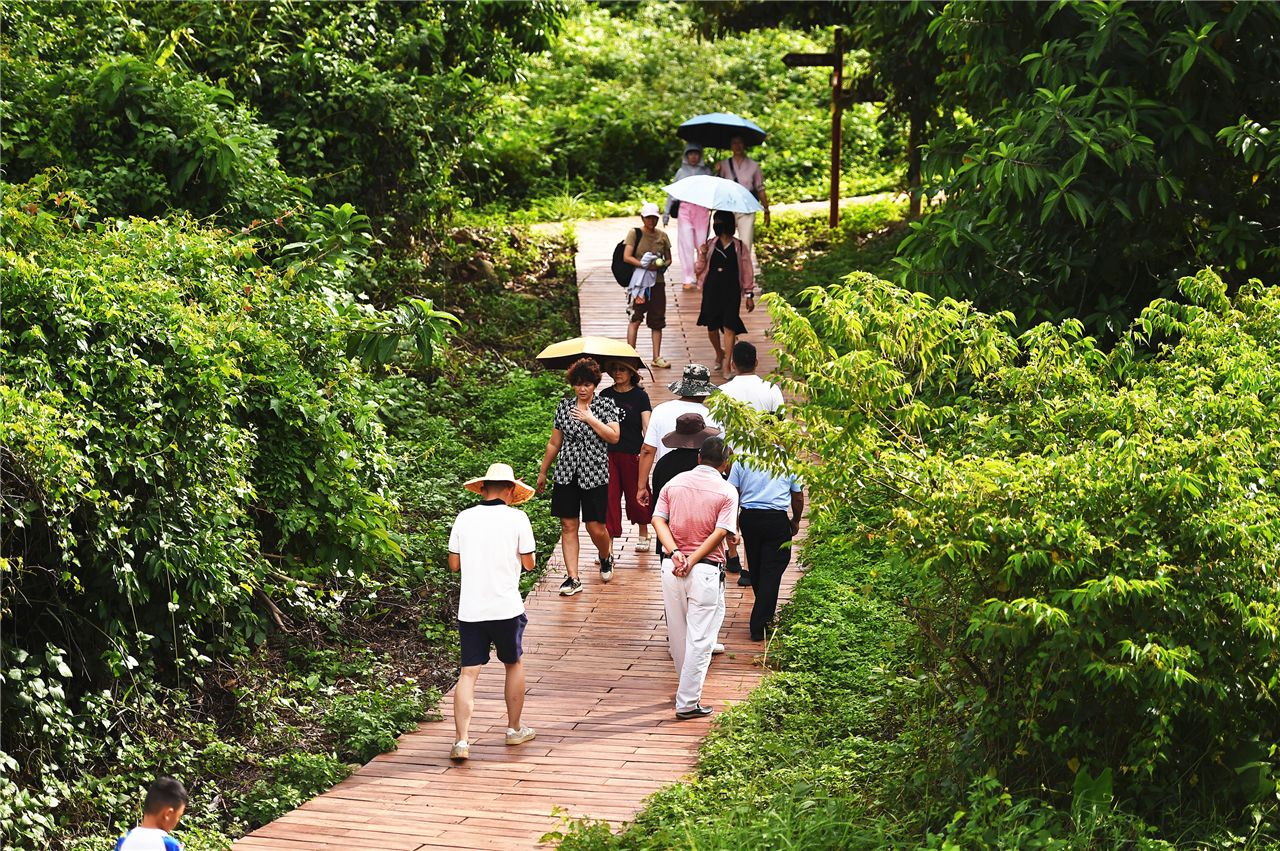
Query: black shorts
{"x":504,"y":635}
{"x":571,"y":501}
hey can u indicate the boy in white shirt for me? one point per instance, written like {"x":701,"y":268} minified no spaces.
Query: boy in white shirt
{"x":164,"y":805}
{"x":490,"y":544}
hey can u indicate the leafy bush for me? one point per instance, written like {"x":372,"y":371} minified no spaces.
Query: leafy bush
{"x":367,"y":723}
{"x":289,"y":780}
{"x":1092,"y":532}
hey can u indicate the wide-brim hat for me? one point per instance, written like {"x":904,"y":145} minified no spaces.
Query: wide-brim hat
{"x":695,"y":381}
{"x":691,"y":432}
{"x":501,"y":473}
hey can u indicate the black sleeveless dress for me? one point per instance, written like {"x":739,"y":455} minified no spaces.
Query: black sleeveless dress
{"x":722,"y":291}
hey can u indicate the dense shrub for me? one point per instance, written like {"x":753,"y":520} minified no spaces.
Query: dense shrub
{"x":1094,"y":533}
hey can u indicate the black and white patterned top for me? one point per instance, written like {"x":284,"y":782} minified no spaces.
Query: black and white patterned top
{"x":583,"y":456}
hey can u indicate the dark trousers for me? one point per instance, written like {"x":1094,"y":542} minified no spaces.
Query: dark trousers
{"x":766,"y":534}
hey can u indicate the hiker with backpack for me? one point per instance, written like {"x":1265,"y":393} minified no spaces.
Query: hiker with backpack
{"x":645,"y":249}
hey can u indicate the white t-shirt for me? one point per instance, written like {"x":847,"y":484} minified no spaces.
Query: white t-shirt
{"x":755,"y":391}
{"x":662,"y":421}
{"x":489,"y":540}
{"x":147,"y":839}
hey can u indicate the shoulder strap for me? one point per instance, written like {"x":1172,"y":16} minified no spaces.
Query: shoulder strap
{"x":733,"y":170}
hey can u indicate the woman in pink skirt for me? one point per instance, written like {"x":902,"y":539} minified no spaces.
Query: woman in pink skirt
{"x":691,"y":219}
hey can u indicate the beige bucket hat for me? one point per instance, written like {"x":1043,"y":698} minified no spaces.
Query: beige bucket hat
{"x":501,"y":473}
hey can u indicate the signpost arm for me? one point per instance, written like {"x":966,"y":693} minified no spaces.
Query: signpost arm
{"x":837,"y":105}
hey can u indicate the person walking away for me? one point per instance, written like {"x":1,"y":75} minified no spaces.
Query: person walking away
{"x":694,"y":514}
{"x":491,"y":543}
{"x":583,"y":427}
{"x":763,"y":396}
{"x":746,"y":172}
{"x":767,"y":531}
{"x":725,"y":275}
{"x":162,"y":809}
{"x":693,"y":387}
{"x":652,"y":311}
{"x":624,"y":456}
{"x":692,"y":220}
{"x":690,"y":433}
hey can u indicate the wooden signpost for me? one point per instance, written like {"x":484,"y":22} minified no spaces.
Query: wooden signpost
{"x":839,"y":99}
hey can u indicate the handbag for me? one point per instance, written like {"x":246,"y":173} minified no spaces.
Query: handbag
{"x":675,"y":208}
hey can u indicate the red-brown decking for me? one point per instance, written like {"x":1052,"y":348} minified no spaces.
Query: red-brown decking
{"x":601,"y":685}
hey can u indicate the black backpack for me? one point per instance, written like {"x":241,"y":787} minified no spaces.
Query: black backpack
{"x":622,"y":269}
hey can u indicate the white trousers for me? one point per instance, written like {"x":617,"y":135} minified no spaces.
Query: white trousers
{"x":746,"y":231}
{"x":695,"y":611}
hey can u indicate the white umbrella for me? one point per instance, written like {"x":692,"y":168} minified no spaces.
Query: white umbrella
{"x":714,"y":193}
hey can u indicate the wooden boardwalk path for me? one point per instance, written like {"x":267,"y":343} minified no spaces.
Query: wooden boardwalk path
{"x":601,"y":684}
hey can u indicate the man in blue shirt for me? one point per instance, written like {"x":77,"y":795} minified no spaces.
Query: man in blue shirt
{"x":766,"y":534}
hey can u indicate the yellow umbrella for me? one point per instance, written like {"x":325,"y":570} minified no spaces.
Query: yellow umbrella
{"x":602,"y":349}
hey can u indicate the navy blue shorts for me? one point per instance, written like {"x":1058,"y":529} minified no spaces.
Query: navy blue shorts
{"x":504,"y":635}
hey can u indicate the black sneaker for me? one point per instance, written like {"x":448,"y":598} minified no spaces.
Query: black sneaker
{"x":606,"y":568}
{"x":698,"y":711}
{"x":733,"y":565}
{"x":570,"y":586}
{"x":744,"y":579}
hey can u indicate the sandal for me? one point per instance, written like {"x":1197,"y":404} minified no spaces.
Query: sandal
{"x":660,"y":363}
{"x":643,"y":545}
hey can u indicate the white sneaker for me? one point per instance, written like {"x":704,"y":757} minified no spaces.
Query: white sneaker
{"x":519,"y":737}
{"x":717,"y":649}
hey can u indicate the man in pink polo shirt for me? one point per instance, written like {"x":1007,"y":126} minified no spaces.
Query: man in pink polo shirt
{"x":695,"y":512}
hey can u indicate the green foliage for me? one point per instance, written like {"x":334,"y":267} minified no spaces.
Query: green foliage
{"x":1091,"y":531}
{"x":1113,"y":149}
{"x":367,"y":723}
{"x":289,"y":780}
{"x":599,"y":111}
{"x":803,"y":251}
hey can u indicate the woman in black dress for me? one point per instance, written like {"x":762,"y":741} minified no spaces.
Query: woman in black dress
{"x":725,"y":275}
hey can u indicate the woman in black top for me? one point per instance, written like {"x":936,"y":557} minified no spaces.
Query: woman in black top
{"x":624,"y":456}
{"x":725,"y":274}
{"x":585,"y":424}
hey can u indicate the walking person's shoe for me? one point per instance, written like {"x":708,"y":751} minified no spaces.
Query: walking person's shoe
{"x":717,"y":649}
{"x":519,"y":737}
{"x":733,"y":565}
{"x":660,"y":363}
{"x":744,"y":579}
{"x":643,"y":545}
{"x":698,"y":711}
{"x":570,"y":586}
{"x":606,"y":568}
{"x":461,"y":751}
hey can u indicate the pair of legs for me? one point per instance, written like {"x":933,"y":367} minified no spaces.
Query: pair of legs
{"x":691,"y":231}
{"x":652,"y":313}
{"x":624,"y":483}
{"x":464,"y":697}
{"x":569,"y":541}
{"x":766,"y":537}
{"x":723,"y":349}
{"x":655,"y":334}
{"x":694,"y":607}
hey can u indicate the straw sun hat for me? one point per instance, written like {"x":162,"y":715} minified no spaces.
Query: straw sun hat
{"x":501,"y":473}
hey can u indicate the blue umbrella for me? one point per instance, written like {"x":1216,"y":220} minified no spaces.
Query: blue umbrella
{"x":717,"y":128}
{"x":714,"y":193}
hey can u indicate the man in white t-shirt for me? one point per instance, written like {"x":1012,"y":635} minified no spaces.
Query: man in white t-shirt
{"x":748,"y":387}
{"x":490,"y":544}
{"x":693,"y":387}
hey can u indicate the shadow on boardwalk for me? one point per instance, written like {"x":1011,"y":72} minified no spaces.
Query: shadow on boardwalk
{"x":600,"y":683}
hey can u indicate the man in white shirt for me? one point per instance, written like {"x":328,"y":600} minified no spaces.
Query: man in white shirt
{"x":693,"y":388}
{"x":750,"y":388}
{"x":490,"y":544}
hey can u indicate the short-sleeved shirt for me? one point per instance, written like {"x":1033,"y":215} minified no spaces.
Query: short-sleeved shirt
{"x":663,"y":421}
{"x":633,"y":404}
{"x":489,"y":539}
{"x":583,"y":457}
{"x":695,"y":504}
{"x":747,"y":173}
{"x":147,"y":839}
{"x":755,"y":391}
{"x":760,"y":490}
{"x":658,"y":242}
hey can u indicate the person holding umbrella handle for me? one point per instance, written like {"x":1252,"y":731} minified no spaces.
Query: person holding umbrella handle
{"x":746,"y":172}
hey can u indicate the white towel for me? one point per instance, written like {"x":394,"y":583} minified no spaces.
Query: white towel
{"x":643,"y":278}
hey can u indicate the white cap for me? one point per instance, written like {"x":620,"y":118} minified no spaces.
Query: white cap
{"x":649,"y":209}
